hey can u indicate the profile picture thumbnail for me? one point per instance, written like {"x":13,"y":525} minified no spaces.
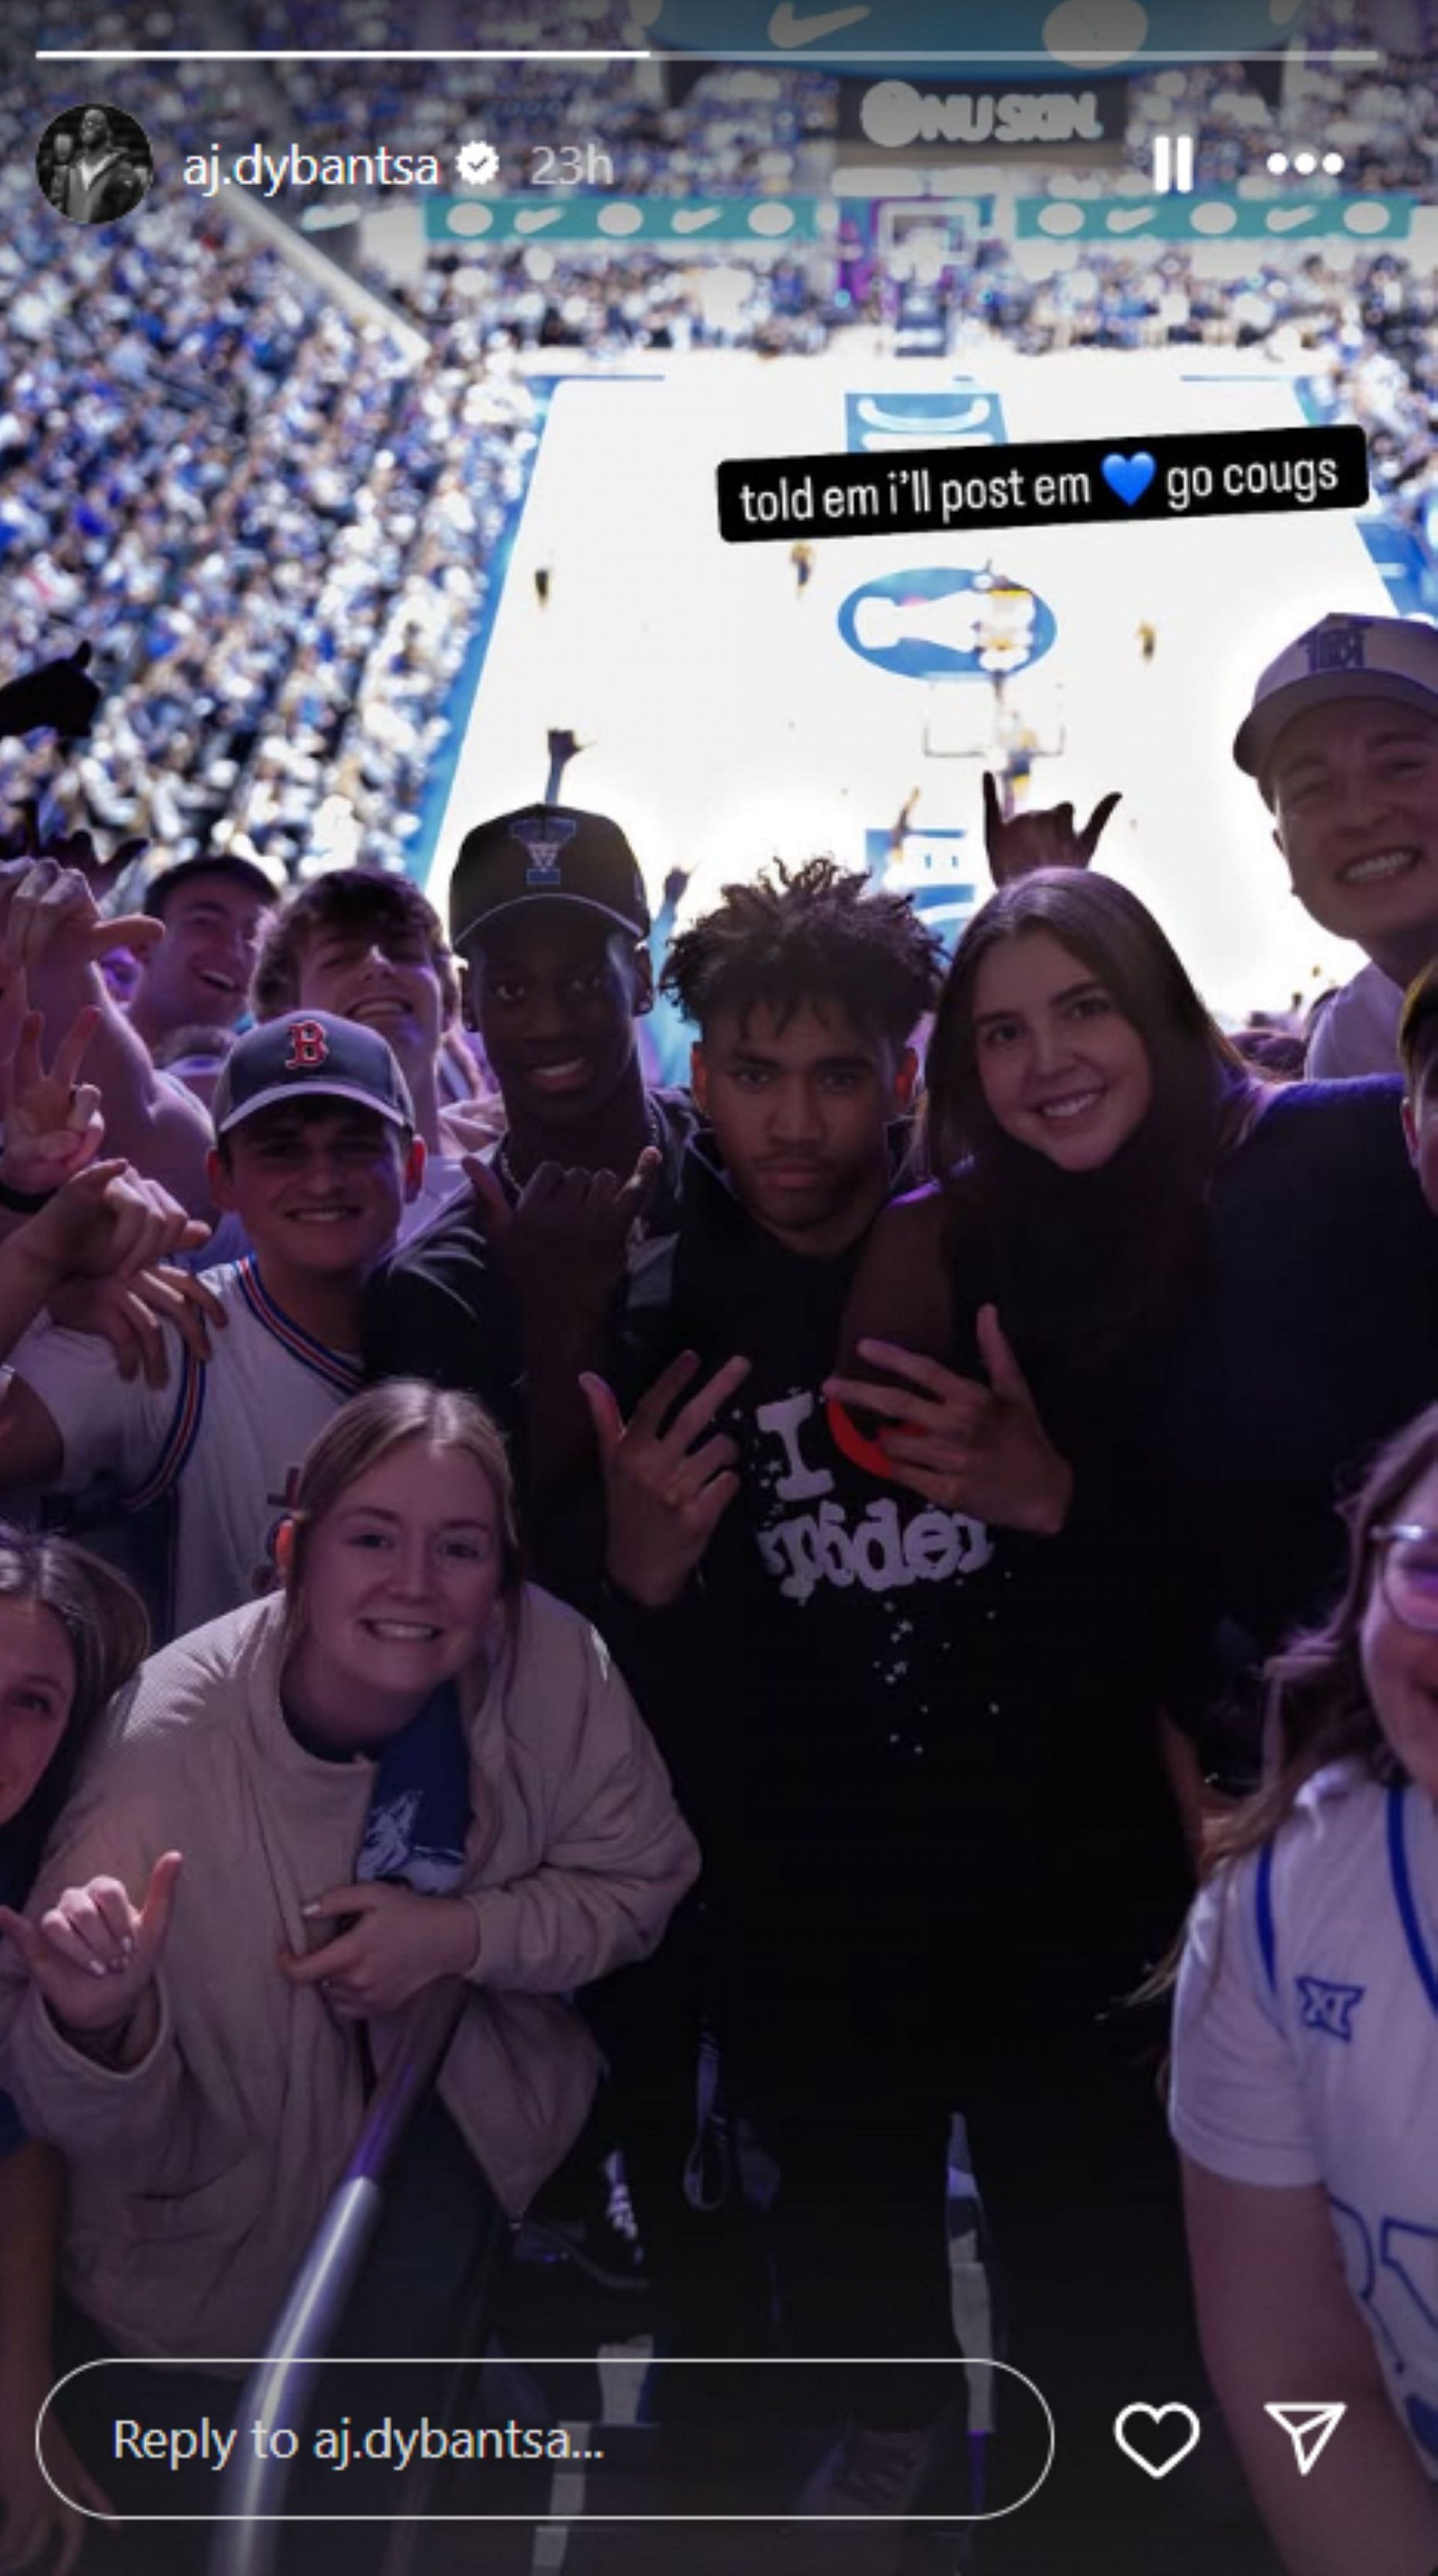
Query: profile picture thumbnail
{"x":94,"y":163}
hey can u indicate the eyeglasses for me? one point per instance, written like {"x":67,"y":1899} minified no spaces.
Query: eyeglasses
{"x":1408,"y":1573}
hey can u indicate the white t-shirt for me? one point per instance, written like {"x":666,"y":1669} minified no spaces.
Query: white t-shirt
{"x":224,"y":1435}
{"x":1356,"y":1032}
{"x":1306,"y":2049}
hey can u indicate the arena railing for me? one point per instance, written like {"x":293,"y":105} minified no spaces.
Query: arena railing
{"x":281,"y":2386}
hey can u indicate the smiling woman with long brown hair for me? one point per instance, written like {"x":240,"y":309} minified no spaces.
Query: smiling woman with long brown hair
{"x":1227,"y":1287}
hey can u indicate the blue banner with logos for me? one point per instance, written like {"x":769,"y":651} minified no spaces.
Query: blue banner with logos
{"x":761,"y":223}
{"x":973,"y":39}
{"x":1375,"y":219}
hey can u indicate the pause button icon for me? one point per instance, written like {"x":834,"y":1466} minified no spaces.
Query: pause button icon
{"x":1173,"y":164}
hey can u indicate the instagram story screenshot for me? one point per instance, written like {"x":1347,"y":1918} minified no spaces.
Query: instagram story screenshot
{"x":719,"y":1288}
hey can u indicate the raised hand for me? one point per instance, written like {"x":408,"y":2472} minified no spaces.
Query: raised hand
{"x":77,"y":849}
{"x":108,"y":1221}
{"x":53,"y":1125}
{"x":394,"y":1942}
{"x":93,"y":1954}
{"x":665,"y":1496}
{"x":50,"y":915}
{"x":131,"y":1313}
{"x":982,"y":1450}
{"x":1018,"y":844}
{"x":563,"y":1246}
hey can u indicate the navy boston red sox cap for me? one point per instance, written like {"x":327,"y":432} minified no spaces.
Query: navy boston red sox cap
{"x":309,"y":1055}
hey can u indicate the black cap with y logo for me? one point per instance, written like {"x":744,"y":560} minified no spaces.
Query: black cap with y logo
{"x":545,"y":854}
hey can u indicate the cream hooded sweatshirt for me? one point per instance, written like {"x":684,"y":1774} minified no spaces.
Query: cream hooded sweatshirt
{"x":199,"y":2175}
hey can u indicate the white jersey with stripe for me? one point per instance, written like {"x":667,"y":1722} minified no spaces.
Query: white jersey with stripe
{"x":225,"y":1436}
{"x":1306,"y":2049}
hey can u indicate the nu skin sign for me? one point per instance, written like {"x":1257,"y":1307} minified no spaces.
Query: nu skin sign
{"x":912,"y":116}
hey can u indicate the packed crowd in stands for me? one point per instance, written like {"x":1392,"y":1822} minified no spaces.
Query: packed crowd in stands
{"x":1381,"y":122}
{"x":190,"y":436}
{"x":288,"y":627}
{"x":1364,"y":336}
{"x":285,"y":525}
{"x":547,"y":299}
{"x":1378,"y":115}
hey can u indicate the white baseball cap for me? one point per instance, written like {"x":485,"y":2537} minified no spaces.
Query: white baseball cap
{"x":1341,"y":657}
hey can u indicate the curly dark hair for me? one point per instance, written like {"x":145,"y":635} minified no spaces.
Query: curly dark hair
{"x":814,"y":933}
{"x":345,"y":899}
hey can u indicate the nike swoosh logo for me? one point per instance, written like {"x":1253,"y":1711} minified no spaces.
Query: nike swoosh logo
{"x":787,"y":29}
{"x":1286,"y":219}
{"x":537,"y":219}
{"x":692,"y":219}
{"x":1130,"y":220}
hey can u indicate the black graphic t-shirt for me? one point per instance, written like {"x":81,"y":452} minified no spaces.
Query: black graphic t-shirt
{"x":825,"y":1573}
{"x":870,"y":1703}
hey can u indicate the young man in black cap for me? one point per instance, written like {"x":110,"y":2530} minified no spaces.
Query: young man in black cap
{"x":548,"y":911}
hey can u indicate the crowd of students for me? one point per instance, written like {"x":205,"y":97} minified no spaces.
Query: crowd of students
{"x":777,"y":1577}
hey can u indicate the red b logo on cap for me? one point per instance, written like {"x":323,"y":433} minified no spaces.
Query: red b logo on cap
{"x":309,"y":1046}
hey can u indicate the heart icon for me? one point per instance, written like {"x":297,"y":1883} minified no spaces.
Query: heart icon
{"x":1129,"y":476}
{"x":1167,"y":2447}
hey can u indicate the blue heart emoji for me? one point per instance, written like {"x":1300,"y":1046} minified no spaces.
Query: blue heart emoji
{"x":1129,"y":476}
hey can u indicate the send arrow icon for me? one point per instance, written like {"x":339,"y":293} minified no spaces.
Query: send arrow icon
{"x":1308,"y":2429}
